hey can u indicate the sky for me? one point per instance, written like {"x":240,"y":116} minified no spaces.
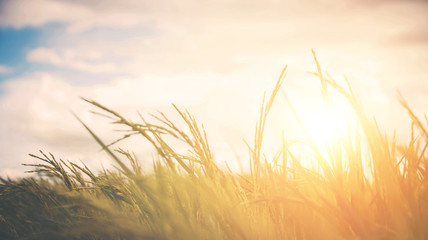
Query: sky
{"x":214,"y":58}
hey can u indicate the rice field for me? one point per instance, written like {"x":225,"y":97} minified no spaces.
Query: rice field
{"x":362,"y":185}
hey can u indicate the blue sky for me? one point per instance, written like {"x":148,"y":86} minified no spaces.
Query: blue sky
{"x":14,"y":45}
{"x":215,"y":59}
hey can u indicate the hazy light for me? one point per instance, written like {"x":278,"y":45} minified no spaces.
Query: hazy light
{"x":327,"y":123}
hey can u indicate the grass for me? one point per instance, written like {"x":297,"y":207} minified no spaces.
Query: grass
{"x":188,"y":196}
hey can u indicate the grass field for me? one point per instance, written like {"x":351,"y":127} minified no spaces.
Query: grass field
{"x":362,"y":185}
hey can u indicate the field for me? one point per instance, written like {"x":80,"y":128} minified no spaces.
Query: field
{"x":362,"y":185}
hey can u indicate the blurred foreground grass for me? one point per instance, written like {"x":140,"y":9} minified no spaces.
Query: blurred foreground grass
{"x":366,"y":187}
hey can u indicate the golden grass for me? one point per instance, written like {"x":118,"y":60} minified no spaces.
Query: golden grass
{"x":189,"y":197}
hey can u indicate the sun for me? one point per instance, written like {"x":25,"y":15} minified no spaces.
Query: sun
{"x":326,"y":124}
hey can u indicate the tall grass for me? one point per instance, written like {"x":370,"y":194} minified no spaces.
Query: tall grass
{"x":366,"y":187}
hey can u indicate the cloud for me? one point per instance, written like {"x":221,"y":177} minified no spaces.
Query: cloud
{"x":80,"y":18}
{"x":413,"y":38}
{"x":5,"y":70}
{"x":81,"y":61}
{"x":28,"y":123}
{"x":17,"y":14}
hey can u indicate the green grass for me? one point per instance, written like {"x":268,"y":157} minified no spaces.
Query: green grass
{"x":188,"y":196}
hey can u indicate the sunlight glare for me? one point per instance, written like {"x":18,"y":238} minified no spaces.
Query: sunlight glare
{"x":327,"y":124}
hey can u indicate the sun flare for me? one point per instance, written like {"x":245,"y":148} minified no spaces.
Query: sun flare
{"x":326,"y":124}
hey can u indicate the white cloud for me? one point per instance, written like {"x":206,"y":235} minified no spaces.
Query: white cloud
{"x":68,"y":58}
{"x":40,"y":12}
{"x":36,"y":13}
{"x":5,"y":70}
